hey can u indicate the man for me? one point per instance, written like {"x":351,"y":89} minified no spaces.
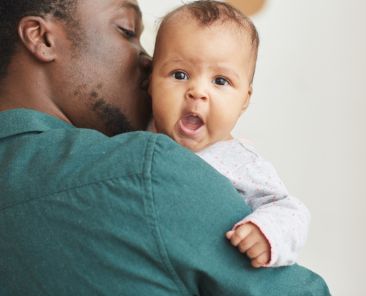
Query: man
{"x":86,"y":211}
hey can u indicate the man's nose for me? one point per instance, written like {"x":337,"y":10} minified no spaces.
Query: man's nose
{"x":145,"y":62}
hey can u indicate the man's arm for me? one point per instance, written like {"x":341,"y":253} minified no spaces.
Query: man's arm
{"x":194,"y":206}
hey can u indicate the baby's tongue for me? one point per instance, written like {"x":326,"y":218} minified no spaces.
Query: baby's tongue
{"x":192,"y":122}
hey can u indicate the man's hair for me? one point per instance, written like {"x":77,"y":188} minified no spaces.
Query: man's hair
{"x":208,"y":12}
{"x":12,"y":11}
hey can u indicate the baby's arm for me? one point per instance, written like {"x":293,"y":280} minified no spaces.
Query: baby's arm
{"x":283,"y":224}
{"x":276,"y":230}
{"x":279,"y":217}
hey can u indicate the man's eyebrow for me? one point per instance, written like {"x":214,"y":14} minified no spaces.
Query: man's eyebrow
{"x":134,"y":6}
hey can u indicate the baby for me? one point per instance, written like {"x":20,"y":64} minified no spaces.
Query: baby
{"x":203,"y":68}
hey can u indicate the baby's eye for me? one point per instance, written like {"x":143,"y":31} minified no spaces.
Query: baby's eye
{"x":221,"y":81}
{"x":180,"y":75}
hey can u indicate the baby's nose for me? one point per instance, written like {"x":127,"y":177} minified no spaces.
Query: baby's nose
{"x":197,"y":93}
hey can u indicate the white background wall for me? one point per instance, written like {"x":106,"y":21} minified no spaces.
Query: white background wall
{"x":307,"y":116}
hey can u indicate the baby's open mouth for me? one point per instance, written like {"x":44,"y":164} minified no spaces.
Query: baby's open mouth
{"x":192,"y":122}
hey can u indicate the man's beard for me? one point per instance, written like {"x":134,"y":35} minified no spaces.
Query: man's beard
{"x":115,"y":122}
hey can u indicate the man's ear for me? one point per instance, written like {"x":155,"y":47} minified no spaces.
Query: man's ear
{"x":247,"y":98}
{"x":36,"y":35}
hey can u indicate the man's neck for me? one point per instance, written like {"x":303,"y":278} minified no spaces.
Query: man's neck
{"x":30,"y":90}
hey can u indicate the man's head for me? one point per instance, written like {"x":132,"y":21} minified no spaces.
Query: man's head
{"x":203,"y":68}
{"x":82,"y":60}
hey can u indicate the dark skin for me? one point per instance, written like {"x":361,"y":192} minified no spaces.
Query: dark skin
{"x":95,"y":77}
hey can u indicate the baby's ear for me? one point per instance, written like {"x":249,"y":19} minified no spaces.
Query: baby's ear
{"x":247,"y":98}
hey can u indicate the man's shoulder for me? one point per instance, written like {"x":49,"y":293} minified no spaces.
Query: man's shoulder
{"x":170,"y":158}
{"x":183,"y":175}
{"x":124,"y":154}
{"x":39,"y":164}
{"x":85,"y":152}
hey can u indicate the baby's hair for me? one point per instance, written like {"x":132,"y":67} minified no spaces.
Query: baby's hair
{"x":208,"y":12}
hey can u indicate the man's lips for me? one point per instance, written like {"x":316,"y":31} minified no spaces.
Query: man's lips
{"x":145,"y":84}
{"x":190,"y":124}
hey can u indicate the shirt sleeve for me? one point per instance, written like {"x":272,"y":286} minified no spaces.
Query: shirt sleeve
{"x":193,"y":208}
{"x":283,"y":219}
{"x":285,"y":224}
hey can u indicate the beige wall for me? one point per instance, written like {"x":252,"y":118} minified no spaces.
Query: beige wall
{"x":307,"y":116}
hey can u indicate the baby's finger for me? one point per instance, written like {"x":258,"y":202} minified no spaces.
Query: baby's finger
{"x":256,"y":250}
{"x":240,"y":234}
{"x":261,"y":260}
{"x":229,"y":234}
{"x":246,"y":244}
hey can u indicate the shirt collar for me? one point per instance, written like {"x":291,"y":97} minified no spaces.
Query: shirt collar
{"x":18,"y":121}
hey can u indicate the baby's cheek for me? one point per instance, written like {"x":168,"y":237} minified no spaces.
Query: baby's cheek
{"x":221,"y":129}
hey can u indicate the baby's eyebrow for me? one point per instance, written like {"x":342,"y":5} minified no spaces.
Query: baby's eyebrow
{"x":173,"y":61}
{"x":228,"y":70}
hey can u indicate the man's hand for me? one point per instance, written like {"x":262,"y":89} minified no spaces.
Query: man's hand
{"x":249,"y":239}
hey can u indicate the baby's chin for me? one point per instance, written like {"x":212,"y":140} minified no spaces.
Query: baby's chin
{"x":198,"y":146}
{"x":192,"y":145}
{"x":195,"y":145}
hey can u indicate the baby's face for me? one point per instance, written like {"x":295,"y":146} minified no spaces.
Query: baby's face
{"x":200,"y":82}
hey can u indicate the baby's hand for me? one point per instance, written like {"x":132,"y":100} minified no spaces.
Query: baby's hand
{"x":249,"y":239}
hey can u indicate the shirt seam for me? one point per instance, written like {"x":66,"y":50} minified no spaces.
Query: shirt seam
{"x":150,"y":153}
{"x":69,"y":189}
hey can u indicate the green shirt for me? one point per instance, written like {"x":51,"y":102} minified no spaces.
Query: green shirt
{"x":135,"y":214}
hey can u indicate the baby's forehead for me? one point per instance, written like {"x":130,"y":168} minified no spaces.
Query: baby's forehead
{"x":216,"y":44}
{"x":185,"y":17}
{"x":194,"y":30}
